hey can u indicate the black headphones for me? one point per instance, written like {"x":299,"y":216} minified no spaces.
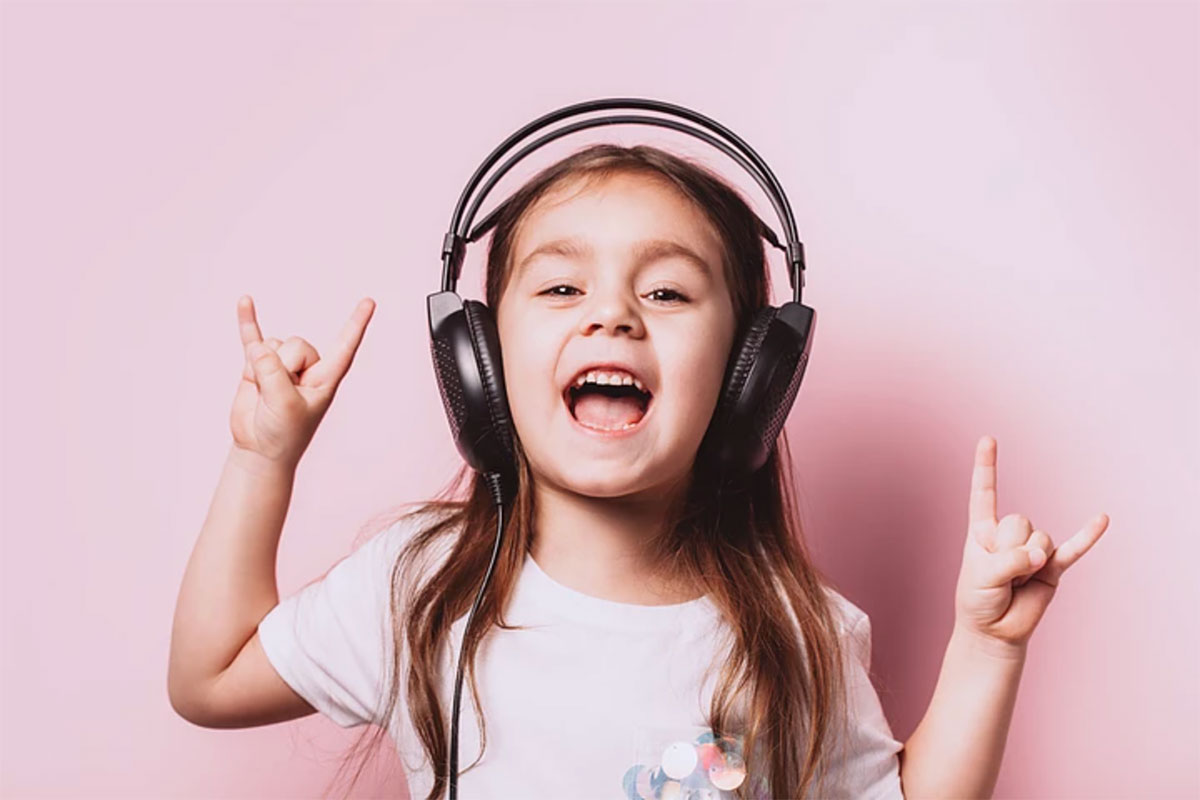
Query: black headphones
{"x":762,"y":376}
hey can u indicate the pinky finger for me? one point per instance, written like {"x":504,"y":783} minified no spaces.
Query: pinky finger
{"x":1071,"y":550}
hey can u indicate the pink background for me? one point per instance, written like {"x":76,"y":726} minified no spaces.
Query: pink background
{"x":999,"y":206}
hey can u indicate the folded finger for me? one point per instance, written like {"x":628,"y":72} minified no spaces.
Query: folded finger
{"x":248,"y":369}
{"x":273,"y":379}
{"x":1007,"y":565}
{"x":1041,"y":540}
{"x":297,"y":355}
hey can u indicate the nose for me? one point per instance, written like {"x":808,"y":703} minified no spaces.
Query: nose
{"x":611,"y":309}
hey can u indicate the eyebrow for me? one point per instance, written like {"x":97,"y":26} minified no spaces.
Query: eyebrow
{"x":644,"y":252}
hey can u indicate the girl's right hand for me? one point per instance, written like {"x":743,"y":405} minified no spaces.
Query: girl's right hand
{"x":286,"y":387}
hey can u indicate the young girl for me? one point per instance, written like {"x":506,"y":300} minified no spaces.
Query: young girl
{"x":644,"y":633}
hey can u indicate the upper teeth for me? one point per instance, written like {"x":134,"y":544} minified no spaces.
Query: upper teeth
{"x":609,"y":378}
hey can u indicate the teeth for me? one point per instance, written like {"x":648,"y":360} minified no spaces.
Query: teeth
{"x":609,"y":378}
{"x":624,"y":427}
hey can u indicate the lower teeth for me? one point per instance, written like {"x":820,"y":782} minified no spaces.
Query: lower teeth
{"x":624,"y":427}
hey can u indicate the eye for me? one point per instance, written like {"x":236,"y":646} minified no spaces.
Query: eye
{"x":682,"y":298}
{"x":678,"y":296}
{"x":559,"y":286}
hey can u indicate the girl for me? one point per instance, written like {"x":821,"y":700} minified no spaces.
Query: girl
{"x":643,"y":635}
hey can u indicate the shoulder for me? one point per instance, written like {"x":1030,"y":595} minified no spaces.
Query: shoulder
{"x":849,"y":616}
{"x":389,"y":545}
{"x":382,"y":561}
{"x":854,"y":627}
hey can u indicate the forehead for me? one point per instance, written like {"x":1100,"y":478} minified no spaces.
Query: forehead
{"x":623,"y":210}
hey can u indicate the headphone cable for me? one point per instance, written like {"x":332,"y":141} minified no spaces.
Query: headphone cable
{"x":495,"y":485}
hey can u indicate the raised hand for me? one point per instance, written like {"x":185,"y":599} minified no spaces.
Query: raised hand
{"x":286,"y":387}
{"x":1010,"y":569}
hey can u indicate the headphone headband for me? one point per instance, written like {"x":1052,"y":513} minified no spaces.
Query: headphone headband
{"x":455,"y":241}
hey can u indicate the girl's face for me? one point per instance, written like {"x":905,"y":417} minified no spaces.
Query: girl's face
{"x":600,"y":273}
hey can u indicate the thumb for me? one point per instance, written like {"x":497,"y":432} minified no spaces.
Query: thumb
{"x":272,"y":377}
{"x":1011,"y":564}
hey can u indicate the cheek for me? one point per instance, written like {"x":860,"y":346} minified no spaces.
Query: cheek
{"x":528,"y":369}
{"x":696,"y":382}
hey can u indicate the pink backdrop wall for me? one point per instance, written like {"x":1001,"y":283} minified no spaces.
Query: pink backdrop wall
{"x":999,"y":205}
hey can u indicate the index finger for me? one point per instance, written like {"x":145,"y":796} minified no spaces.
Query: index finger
{"x":334,"y":365}
{"x":982,"y":505}
{"x":1071,"y":550}
{"x":247,"y":324}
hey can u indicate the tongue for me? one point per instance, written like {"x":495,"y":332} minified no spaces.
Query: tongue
{"x":601,"y":411}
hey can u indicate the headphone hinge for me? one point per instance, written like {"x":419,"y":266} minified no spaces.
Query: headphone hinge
{"x":455,"y":247}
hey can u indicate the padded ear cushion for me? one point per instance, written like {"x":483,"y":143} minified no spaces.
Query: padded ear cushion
{"x":723,"y":445}
{"x":761,"y":382}
{"x":742,"y":359}
{"x":485,"y":340}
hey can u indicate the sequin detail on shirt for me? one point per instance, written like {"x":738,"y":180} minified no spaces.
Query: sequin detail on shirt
{"x":706,"y":768}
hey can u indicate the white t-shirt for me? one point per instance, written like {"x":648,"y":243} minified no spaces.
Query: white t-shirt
{"x":598,"y":699}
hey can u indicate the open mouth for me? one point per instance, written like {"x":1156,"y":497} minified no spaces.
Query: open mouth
{"x":607,"y":408}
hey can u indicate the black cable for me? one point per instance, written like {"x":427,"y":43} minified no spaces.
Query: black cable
{"x":495,"y":485}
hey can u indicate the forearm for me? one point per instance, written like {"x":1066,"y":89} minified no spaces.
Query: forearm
{"x":955,"y":751}
{"x":229,"y":584}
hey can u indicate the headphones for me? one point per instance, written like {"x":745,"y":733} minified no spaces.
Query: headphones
{"x":762,"y":375}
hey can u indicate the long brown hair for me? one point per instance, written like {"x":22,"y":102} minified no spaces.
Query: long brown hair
{"x":782,"y":687}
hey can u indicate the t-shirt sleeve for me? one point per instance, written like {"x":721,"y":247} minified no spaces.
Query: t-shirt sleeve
{"x":869,"y":767}
{"x":331,"y":641}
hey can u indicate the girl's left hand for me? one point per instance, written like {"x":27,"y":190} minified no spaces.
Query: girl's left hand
{"x":1010,"y":569}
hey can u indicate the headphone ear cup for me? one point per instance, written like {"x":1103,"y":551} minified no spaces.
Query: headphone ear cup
{"x":486,"y":337}
{"x":762,"y":378}
{"x":465,"y":346}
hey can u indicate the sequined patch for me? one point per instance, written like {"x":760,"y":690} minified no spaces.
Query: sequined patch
{"x":706,"y":768}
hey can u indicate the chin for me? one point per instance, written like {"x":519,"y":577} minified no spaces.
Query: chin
{"x":600,"y":481}
{"x":610,"y":480}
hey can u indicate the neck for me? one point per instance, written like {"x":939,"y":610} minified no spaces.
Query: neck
{"x":597,"y":545}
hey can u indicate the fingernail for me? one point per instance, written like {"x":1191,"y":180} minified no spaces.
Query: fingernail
{"x":1037,"y":556}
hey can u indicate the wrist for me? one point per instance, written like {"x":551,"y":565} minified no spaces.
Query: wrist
{"x":258,"y":465}
{"x":989,"y":646}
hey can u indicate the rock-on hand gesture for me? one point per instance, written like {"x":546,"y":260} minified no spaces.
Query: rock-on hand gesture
{"x":286,"y":387}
